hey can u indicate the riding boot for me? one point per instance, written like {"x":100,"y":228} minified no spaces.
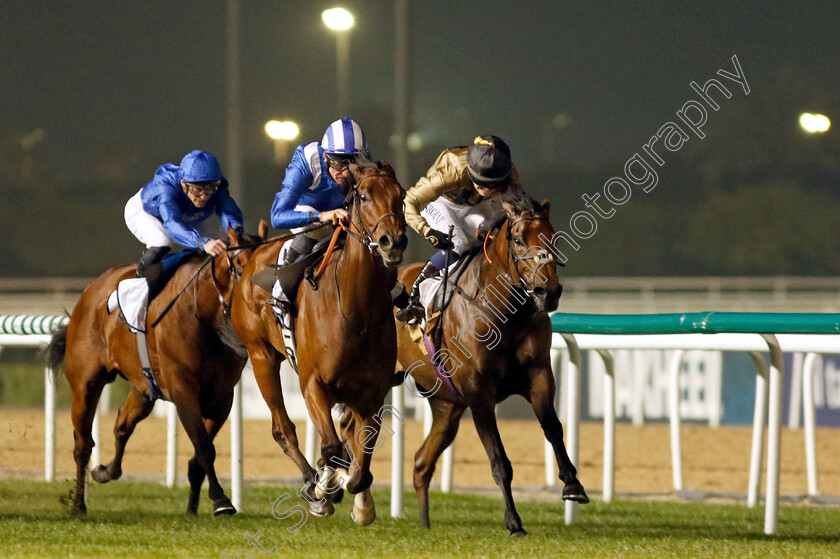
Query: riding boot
{"x":414,"y":310}
{"x":152,"y":255}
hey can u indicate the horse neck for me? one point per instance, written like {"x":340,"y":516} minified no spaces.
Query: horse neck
{"x":361,"y":278}
{"x":207,"y":292}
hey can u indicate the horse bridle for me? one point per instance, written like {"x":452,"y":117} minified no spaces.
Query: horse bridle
{"x":542,"y":256}
{"x":364,"y":236}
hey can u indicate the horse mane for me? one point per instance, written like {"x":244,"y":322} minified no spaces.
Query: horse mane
{"x":520,"y":201}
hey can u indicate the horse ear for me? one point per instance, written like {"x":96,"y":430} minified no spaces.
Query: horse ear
{"x":509,"y":208}
{"x":262,"y":231}
{"x":544,"y":207}
{"x":233,"y":236}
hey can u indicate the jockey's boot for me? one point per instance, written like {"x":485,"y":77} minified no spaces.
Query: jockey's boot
{"x":152,"y":255}
{"x":414,"y":310}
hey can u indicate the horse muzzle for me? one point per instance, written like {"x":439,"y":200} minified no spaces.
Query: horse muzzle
{"x":547,"y":300}
{"x":392,"y":249}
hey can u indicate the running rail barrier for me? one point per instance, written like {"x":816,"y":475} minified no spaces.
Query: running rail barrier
{"x":723,"y":331}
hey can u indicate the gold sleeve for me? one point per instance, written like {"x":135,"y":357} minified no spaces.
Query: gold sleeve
{"x":445,"y":175}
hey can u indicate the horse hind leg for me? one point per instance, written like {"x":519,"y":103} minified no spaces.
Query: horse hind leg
{"x":134,"y":410}
{"x":86,"y":393}
{"x":266,"y":364}
{"x":446,"y":417}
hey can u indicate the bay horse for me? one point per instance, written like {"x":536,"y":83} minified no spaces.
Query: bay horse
{"x":194,"y":365}
{"x":495,"y":343}
{"x":346,"y":341}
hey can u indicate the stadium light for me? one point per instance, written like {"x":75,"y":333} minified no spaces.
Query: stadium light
{"x":282,"y":133}
{"x":814,"y":123}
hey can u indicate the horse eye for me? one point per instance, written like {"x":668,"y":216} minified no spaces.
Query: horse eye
{"x":363,"y":197}
{"x":518,"y":241}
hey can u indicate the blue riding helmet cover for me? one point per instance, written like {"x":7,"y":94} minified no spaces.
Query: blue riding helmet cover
{"x":200,"y":166}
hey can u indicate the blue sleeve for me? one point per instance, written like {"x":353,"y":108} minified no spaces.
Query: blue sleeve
{"x":171,"y":217}
{"x":298,"y":178}
{"x":228,"y":212}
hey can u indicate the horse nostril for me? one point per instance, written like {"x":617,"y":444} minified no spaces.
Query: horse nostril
{"x":386,"y":241}
{"x":402,"y":242}
{"x":539,"y":292}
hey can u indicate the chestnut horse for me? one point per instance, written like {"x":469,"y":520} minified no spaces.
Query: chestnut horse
{"x":346,"y":340}
{"x":194,"y":365}
{"x":496,"y":341}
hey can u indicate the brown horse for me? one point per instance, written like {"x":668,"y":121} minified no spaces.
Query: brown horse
{"x":346,"y":340}
{"x":194,"y":365}
{"x":496,"y":340}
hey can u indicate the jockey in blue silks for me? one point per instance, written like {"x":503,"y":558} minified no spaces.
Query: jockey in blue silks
{"x":174,"y":207}
{"x":317,"y":181}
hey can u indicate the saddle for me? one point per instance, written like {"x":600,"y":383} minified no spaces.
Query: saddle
{"x":292,"y":275}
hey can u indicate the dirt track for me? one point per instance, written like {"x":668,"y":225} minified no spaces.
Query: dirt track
{"x":714,"y":460}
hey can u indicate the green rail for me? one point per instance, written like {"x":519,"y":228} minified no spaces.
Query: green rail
{"x":697,"y":323}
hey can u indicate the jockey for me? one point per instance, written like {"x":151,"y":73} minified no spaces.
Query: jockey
{"x":461,"y":189}
{"x":173,"y":208}
{"x":316,"y":183}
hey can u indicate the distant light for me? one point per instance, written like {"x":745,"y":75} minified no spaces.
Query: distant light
{"x":414,"y":142}
{"x":285,"y":130}
{"x":814,"y":123}
{"x":337,"y":19}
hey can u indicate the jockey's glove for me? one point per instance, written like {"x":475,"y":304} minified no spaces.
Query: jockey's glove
{"x":439,"y":239}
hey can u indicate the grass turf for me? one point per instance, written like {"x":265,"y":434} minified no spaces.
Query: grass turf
{"x":131,"y":519}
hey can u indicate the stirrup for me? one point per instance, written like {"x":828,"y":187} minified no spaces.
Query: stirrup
{"x":282,"y":304}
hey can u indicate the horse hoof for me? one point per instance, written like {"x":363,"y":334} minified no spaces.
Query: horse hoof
{"x":223,"y":506}
{"x":518,"y":533}
{"x":363,"y":517}
{"x":575,"y":492}
{"x":321,"y":510}
{"x":100,"y":474}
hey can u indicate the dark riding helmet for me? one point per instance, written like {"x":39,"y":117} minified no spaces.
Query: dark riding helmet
{"x":489,"y":163}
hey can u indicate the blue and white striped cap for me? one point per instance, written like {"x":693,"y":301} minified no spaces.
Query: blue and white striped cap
{"x":344,"y":137}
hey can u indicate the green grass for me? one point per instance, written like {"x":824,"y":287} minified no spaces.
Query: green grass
{"x":128,"y":519}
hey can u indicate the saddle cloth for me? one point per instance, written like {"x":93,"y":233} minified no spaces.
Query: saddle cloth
{"x":132,"y":297}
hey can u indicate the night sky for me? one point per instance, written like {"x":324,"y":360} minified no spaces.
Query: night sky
{"x":121,"y":87}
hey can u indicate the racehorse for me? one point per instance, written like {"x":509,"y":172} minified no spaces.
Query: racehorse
{"x":496,"y":338}
{"x":194,"y":366}
{"x":346,"y":340}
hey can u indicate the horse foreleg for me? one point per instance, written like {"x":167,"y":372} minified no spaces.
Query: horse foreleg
{"x":319,"y":406}
{"x":85,"y":398}
{"x":189,"y":412}
{"x":542,"y":400}
{"x":195,"y":471}
{"x":446,"y":417}
{"x":484,"y":417}
{"x":134,"y":410}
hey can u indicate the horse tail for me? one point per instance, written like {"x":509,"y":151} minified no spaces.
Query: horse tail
{"x":57,"y":348}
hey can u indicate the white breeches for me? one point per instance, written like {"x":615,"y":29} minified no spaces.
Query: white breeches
{"x":149,"y":230}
